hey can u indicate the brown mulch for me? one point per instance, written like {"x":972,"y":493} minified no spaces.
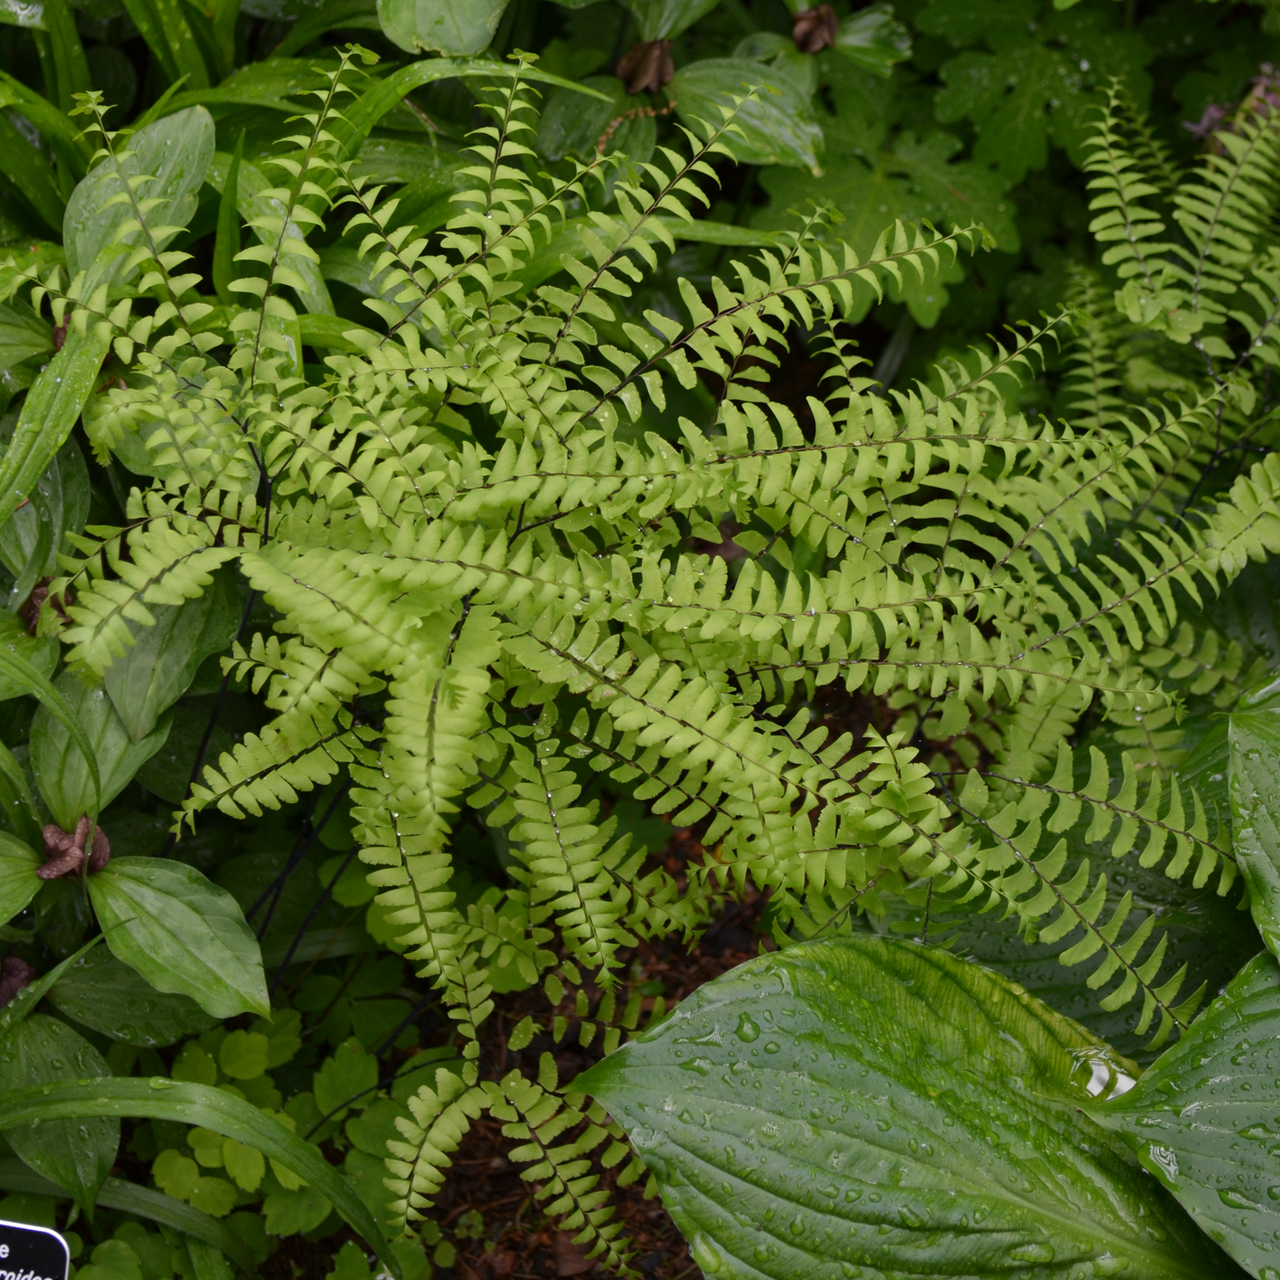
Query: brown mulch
{"x":516,"y":1241}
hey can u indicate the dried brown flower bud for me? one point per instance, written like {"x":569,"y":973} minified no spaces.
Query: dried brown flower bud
{"x":14,"y":975}
{"x":65,"y":852}
{"x":815,"y":28}
{"x":646,"y":66}
{"x":30,"y":610}
{"x":100,"y":854}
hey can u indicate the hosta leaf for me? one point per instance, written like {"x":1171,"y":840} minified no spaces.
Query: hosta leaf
{"x":1209,"y":934}
{"x":106,"y":995}
{"x":180,"y":932}
{"x":76,"y":1153}
{"x":1204,"y":1118}
{"x":62,"y":774}
{"x":777,"y":125}
{"x":863,"y":1103}
{"x":1254,"y":774}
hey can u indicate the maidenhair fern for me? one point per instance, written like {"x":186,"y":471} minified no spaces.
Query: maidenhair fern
{"x":480,"y":554}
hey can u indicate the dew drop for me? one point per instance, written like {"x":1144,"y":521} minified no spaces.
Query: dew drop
{"x":1234,"y":1199}
{"x":1034,"y":1251}
{"x":706,"y":1255}
{"x":747,"y":1030}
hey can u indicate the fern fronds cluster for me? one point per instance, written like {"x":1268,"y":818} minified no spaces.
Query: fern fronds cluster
{"x":481,"y":550}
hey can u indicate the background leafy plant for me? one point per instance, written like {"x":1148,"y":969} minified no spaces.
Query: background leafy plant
{"x":198,"y":674}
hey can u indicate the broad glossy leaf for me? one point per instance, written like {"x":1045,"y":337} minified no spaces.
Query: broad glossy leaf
{"x":76,"y":1153}
{"x":180,"y":932}
{"x":156,"y":670}
{"x":177,"y":152}
{"x":871,"y":1104}
{"x":106,"y":995}
{"x":1211,"y":935}
{"x":666,"y":19}
{"x":62,"y":775}
{"x":1254,"y":774}
{"x":41,"y":652}
{"x":195,"y":1104}
{"x":1205,"y":1119}
{"x":49,"y":411}
{"x":777,"y":126}
{"x":18,"y":880}
{"x":440,"y":26}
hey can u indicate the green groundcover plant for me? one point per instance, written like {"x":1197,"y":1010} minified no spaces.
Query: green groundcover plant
{"x":358,"y":659}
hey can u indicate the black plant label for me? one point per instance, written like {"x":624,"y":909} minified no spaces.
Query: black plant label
{"x":32,"y":1253}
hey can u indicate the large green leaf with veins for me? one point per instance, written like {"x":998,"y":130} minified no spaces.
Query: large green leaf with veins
{"x":1254,"y":781}
{"x":873,"y":1104}
{"x":1205,"y":1119}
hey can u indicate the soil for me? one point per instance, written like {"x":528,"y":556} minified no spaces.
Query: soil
{"x":516,"y":1242}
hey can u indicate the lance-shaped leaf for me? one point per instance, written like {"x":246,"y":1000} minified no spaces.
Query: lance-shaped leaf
{"x":176,"y":152}
{"x":865,"y":1103}
{"x":181,"y":932}
{"x":666,"y":19}
{"x":76,"y":1153}
{"x":197,"y":1104}
{"x":17,"y":672}
{"x":65,"y":778}
{"x":18,"y":880}
{"x":155,"y":671}
{"x":49,"y":411}
{"x":1205,"y":1119}
{"x":106,"y":995}
{"x":24,"y":1003}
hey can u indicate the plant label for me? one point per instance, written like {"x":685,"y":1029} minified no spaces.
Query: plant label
{"x":32,"y":1253}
